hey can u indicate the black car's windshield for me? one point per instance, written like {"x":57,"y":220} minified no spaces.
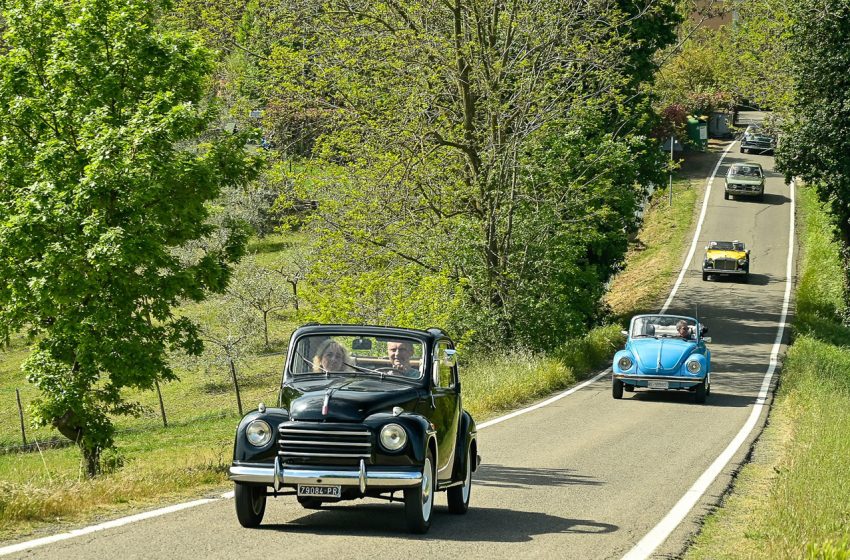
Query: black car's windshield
{"x":664,"y":326}
{"x":327,"y":354}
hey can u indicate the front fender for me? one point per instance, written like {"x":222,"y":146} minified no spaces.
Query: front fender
{"x":615,"y":366}
{"x":418,"y":429}
{"x":247,"y":453}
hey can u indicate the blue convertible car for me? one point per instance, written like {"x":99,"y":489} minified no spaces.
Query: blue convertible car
{"x":664,"y":352}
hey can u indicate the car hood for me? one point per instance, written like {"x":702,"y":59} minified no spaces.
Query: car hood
{"x":662,"y":355}
{"x":349,"y":400}
{"x":716,"y":254}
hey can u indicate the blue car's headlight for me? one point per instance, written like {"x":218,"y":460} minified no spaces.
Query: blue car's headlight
{"x":624,"y":363}
{"x":693,"y":366}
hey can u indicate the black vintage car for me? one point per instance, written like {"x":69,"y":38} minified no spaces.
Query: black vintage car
{"x":362,"y":412}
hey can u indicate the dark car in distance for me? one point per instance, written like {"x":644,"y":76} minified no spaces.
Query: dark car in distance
{"x":363,"y":411}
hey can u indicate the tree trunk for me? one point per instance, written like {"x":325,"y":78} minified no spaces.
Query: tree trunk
{"x":92,"y":458}
{"x":265,"y":331}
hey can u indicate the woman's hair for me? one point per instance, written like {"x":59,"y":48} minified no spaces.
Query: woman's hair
{"x":325,"y":347}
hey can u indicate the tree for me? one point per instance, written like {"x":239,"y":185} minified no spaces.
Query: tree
{"x":814,"y":144}
{"x":435,"y":104}
{"x":260,"y":289}
{"x":101,"y":179}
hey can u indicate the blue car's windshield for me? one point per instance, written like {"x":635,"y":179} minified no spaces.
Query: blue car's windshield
{"x":664,"y":326}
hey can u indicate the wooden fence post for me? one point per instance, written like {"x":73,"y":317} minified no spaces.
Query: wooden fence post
{"x":21,"y":416}
{"x":235,"y":385}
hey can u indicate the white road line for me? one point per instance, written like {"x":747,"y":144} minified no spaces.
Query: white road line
{"x":20,"y":547}
{"x":693,"y":249}
{"x":660,"y":532}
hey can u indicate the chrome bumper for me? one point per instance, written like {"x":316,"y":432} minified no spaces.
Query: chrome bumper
{"x":721,"y":271}
{"x":293,"y":475}
{"x":671,"y":378}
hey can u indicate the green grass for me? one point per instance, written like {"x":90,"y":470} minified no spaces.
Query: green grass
{"x":656,"y":256}
{"x":793,"y":499}
{"x":189,"y":458}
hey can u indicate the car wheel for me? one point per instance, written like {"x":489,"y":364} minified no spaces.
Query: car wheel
{"x":628,"y":388}
{"x":617,"y":389}
{"x":309,"y":503}
{"x":419,"y":500}
{"x":726,"y":195}
{"x":704,"y":276}
{"x":250,"y":504}
{"x":459,"y":495}
{"x":761,"y":197}
{"x":700,"y":393}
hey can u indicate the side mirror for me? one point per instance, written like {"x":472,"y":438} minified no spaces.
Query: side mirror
{"x":361,"y":344}
{"x":706,"y":339}
{"x":626,"y":333}
{"x":449,"y":357}
{"x":703,"y":330}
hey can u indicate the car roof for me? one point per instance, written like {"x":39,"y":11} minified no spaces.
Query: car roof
{"x":429,"y":335}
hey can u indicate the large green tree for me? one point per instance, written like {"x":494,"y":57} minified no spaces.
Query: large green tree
{"x":101,"y":180}
{"x":437,"y":107}
{"x":815,"y":145}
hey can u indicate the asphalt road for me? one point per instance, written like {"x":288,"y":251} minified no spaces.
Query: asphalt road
{"x":585,"y":477}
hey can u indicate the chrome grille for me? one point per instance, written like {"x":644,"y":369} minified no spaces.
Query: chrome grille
{"x":726,"y":264}
{"x":311,"y":443}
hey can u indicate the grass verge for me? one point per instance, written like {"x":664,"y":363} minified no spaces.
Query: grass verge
{"x":793,"y":499}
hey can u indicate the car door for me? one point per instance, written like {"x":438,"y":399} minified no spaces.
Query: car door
{"x":446,"y":402}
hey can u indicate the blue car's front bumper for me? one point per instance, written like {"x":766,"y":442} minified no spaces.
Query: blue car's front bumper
{"x":673,"y":381}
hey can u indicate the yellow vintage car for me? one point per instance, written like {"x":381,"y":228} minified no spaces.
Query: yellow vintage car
{"x":726,"y":257}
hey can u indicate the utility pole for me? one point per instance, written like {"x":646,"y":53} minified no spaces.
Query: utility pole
{"x":671,"y":170}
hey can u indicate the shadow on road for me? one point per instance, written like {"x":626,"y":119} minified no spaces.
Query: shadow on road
{"x":501,"y":476}
{"x":479,"y":524}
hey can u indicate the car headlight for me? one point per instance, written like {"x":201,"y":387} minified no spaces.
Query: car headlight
{"x":694,"y":366}
{"x":258,"y":432}
{"x":393,"y":437}
{"x":624,"y":363}
{"x":742,"y":262}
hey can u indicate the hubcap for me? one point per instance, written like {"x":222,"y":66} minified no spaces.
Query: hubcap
{"x":427,"y":490}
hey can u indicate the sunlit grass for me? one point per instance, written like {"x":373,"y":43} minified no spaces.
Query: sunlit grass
{"x":655,"y":257}
{"x":793,"y":499}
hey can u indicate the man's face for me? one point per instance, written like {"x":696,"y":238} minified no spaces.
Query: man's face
{"x":683,"y":330}
{"x":399,"y":354}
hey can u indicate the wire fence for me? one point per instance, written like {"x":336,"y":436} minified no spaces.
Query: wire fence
{"x":198,"y":397}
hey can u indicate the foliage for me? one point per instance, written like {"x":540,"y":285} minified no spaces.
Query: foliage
{"x":258,"y":288}
{"x":697,"y":75}
{"x":814,"y":145}
{"x":437,"y":111}
{"x":101,"y":179}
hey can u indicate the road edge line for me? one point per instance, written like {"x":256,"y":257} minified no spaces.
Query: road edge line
{"x":649,"y":543}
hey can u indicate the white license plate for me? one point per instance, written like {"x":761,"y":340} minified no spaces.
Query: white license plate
{"x":659,"y":385}
{"x":319,"y":491}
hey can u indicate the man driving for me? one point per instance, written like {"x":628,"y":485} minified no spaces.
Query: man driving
{"x":684,"y":330}
{"x":399,"y":353}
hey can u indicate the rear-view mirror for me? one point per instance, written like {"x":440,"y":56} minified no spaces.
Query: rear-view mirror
{"x":361,"y":344}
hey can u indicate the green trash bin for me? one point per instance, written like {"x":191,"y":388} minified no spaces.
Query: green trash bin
{"x":698,"y":132}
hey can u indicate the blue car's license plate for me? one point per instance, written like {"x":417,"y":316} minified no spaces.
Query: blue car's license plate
{"x":320,"y":491}
{"x":659,"y":385}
